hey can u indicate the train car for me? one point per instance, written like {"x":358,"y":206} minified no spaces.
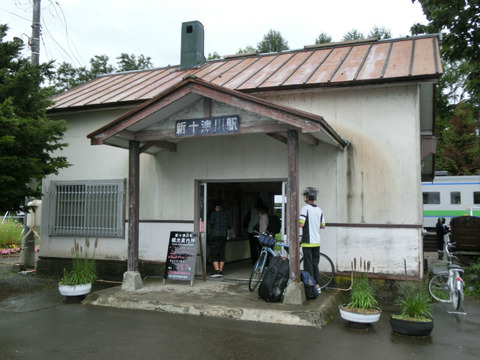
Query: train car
{"x":449,"y":197}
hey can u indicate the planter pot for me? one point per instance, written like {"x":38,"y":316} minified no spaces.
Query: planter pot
{"x":410,"y":327}
{"x":359,"y":317}
{"x":75,"y":290}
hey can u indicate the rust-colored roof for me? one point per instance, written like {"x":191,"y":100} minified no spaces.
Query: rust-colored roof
{"x":336,"y":64}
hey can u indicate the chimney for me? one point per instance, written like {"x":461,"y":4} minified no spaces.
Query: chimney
{"x":192,"y":45}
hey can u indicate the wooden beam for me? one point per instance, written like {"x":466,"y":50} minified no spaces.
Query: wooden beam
{"x":292,"y":205}
{"x":207,"y":107}
{"x":167,"y":145}
{"x":133,"y":204}
{"x":278,"y":137}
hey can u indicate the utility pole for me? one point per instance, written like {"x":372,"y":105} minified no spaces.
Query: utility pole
{"x":27,"y":255}
{"x":36,"y":33}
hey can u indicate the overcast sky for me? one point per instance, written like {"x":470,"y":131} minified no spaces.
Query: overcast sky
{"x":76,"y":30}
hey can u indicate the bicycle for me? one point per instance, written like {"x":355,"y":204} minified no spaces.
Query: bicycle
{"x":447,"y":286}
{"x":327,"y":270}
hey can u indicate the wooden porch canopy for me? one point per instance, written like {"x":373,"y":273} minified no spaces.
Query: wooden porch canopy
{"x":150,"y":128}
{"x":148,"y":123}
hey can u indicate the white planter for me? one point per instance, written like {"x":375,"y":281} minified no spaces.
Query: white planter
{"x":359,"y":318}
{"x":75,"y":290}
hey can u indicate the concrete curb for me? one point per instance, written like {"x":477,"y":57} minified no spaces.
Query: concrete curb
{"x":222,"y":299}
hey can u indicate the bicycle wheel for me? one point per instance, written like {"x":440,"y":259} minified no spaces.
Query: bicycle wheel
{"x":257,"y":271}
{"x":326,"y":269}
{"x":439,"y":289}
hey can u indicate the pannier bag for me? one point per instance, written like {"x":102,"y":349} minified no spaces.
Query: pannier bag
{"x":275,"y":280}
{"x":309,"y":284}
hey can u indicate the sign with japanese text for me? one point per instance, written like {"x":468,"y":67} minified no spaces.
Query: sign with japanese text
{"x":181,"y":255}
{"x":208,"y":126}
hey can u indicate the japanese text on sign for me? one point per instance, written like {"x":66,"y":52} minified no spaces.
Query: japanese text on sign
{"x":181,"y":255}
{"x":207,"y":126}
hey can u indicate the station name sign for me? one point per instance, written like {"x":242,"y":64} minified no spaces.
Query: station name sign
{"x":207,"y":126}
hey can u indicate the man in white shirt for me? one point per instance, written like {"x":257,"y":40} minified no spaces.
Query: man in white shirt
{"x":311,"y":221}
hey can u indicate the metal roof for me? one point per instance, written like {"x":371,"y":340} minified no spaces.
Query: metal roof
{"x":335,"y":64}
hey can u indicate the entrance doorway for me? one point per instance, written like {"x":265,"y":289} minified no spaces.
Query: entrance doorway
{"x":238,"y":198}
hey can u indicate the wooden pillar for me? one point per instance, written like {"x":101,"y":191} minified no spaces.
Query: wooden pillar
{"x":133,"y":204}
{"x":292,"y":205}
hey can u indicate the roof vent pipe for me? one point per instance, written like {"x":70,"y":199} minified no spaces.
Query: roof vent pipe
{"x":192,"y":45}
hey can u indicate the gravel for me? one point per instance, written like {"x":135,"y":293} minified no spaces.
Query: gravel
{"x":15,"y":284}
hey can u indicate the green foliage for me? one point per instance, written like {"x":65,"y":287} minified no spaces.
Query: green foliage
{"x":131,"y":62}
{"x":83,"y":266}
{"x":353,"y":34}
{"x":362,"y":294}
{"x":248,"y":50}
{"x":380,"y":32}
{"x":460,"y":24}
{"x":10,"y":233}
{"x":272,"y":42}
{"x":472,"y":280}
{"x":415,"y":302}
{"x":458,"y":151}
{"x":28,"y":138}
{"x":68,"y":76}
{"x":213,"y":56}
{"x":323,"y":38}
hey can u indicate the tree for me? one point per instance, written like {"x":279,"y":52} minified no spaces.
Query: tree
{"x":28,"y":138}
{"x":323,"y":38}
{"x":68,"y":77}
{"x":248,"y":50}
{"x":128,"y":62}
{"x":272,"y":42}
{"x":353,"y":34}
{"x":380,"y":32}
{"x":459,"y":21}
{"x":213,"y":56}
{"x":459,"y":153}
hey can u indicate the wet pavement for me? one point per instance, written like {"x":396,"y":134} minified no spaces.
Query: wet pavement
{"x":37,"y":323}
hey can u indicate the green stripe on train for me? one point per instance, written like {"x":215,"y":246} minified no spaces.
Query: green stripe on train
{"x":449,"y":213}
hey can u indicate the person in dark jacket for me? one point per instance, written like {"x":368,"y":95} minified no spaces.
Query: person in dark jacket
{"x":441,"y":230}
{"x":220,"y":223}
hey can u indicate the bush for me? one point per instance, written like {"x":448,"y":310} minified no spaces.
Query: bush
{"x":10,"y":234}
{"x":83,"y":266}
{"x":472,"y":280}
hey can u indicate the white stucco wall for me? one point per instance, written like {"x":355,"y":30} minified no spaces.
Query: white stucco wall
{"x":376,"y":180}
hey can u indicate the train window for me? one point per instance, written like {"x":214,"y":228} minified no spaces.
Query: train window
{"x":476,"y":197}
{"x":455,"y":198}
{"x":431,"y":197}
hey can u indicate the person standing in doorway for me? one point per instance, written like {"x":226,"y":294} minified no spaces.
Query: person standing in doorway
{"x":254,"y":244}
{"x":262,"y":218}
{"x":220,"y":223}
{"x":311,"y":221}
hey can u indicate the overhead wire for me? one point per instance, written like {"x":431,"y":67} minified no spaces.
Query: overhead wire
{"x":61,"y":17}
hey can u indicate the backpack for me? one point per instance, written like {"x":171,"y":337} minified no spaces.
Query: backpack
{"x":309,"y":284}
{"x":274,"y":224}
{"x":275,"y":280}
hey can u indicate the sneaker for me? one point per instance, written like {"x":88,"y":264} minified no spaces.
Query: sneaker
{"x":216,"y":274}
{"x":318,"y":290}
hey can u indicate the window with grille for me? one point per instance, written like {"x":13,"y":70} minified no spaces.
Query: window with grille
{"x":87,"y":208}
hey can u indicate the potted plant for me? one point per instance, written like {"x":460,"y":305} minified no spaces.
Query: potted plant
{"x":79,"y":280}
{"x":362,"y":307}
{"x":415,"y":317}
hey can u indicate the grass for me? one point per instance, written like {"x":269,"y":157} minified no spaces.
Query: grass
{"x":10,"y":234}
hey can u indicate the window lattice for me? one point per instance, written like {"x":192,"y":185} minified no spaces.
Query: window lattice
{"x":89,"y":208}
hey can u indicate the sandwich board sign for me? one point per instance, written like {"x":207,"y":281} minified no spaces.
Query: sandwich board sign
{"x":182,"y":255}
